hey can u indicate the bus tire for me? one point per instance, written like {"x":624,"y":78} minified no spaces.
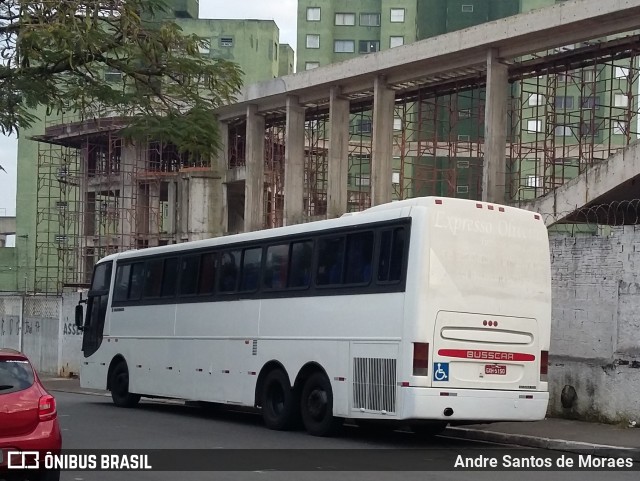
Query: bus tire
{"x":316,"y":406}
{"x":119,"y":384}
{"x":279,"y":409}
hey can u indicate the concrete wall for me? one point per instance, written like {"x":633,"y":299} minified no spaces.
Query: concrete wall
{"x":595,"y":345}
{"x":43,"y":328}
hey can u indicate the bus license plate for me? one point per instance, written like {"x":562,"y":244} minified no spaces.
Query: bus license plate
{"x":496,"y":370}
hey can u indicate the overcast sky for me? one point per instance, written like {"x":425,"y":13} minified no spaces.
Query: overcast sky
{"x":284,"y":12}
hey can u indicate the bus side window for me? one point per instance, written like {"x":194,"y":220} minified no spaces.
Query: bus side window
{"x":137,"y":280}
{"x":121,"y":288}
{"x":392,"y":244}
{"x":229,"y":268}
{"x":276,"y":267}
{"x":170,"y":277}
{"x":153,"y":278}
{"x":397,"y":254}
{"x":251,"y":262}
{"x":207,"y":275}
{"x":358,"y":259}
{"x":330,"y":260}
{"x":189,"y":269}
{"x":300,"y":265}
{"x":385,"y":256}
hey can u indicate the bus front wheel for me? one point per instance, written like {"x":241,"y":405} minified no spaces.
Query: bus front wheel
{"x":119,"y":384}
{"x":279,"y":409}
{"x":317,"y":406}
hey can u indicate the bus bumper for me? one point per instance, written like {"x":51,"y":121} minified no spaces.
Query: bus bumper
{"x":473,"y":405}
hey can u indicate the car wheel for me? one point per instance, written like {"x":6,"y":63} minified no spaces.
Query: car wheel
{"x":119,"y":384}
{"x":279,"y":409}
{"x":316,"y":406}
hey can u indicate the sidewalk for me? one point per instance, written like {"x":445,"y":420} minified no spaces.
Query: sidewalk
{"x":555,"y":434}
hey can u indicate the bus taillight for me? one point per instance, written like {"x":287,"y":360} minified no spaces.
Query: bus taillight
{"x":544,"y":365}
{"x":420,"y":359}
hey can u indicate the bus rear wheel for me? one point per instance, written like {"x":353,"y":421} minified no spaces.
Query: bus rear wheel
{"x":316,"y":406}
{"x":119,"y":384}
{"x":279,"y":407}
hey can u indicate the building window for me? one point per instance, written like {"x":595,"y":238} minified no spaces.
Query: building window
{"x":368,"y":46}
{"x":536,"y":99}
{"x":345,"y":18}
{"x":534,"y":126}
{"x":396,"y":42}
{"x":344,"y":46}
{"x":362,"y":126}
{"x":534,"y":181}
{"x":563,"y":131}
{"x":313,"y":41}
{"x":564,"y":102}
{"x":397,"y":15}
{"x":226,"y":41}
{"x":467,"y":9}
{"x":311,"y":65}
{"x":370,"y":19}
{"x":590,"y":102}
{"x":588,"y":76}
{"x":620,"y":100}
{"x":205,"y":47}
{"x":622,"y":72}
{"x":112,"y":75}
{"x":313,"y":14}
{"x":619,"y":127}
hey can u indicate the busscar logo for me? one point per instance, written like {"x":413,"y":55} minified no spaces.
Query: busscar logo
{"x":23,"y":460}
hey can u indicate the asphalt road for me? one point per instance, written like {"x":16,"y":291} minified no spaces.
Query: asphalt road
{"x":92,"y":422}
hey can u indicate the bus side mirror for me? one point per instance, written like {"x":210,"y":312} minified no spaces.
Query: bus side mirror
{"x":79,"y":317}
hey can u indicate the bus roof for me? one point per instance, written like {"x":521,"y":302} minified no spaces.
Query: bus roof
{"x":388,"y":211}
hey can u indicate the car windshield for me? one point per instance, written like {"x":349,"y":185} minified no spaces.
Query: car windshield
{"x":15,"y":375}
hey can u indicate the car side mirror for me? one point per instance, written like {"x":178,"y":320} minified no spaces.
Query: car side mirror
{"x":79,"y":317}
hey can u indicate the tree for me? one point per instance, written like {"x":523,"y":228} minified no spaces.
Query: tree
{"x":124,"y":56}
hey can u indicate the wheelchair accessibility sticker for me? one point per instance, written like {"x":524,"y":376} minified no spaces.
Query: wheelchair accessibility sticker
{"x":440,"y":371}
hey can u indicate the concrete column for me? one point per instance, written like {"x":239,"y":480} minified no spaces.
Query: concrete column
{"x":254,"y":184}
{"x":219,"y":163}
{"x":495,"y":130}
{"x":294,"y":163}
{"x":338,"y":154}
{"x":172,"y":200}
{"x":382,"y":132}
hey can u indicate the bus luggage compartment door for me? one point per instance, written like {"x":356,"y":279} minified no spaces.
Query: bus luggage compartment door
{"x":478,"y":351}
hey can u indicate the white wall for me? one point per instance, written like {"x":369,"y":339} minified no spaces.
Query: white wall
{"x":595,"y":345}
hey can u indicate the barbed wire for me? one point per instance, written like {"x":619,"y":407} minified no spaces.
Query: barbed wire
{"x":592,"y":218}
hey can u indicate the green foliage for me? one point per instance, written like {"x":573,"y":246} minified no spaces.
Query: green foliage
{"x":120,"y":58}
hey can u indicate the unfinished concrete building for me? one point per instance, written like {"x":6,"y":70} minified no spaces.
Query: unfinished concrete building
{"x":503,"y":112}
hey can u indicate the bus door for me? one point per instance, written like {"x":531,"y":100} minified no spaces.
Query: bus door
{"x":96,"y":309}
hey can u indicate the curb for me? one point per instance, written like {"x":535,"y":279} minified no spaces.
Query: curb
{"x":600,"y":450}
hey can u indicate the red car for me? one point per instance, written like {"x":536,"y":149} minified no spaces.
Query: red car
{"x":28,"y":416}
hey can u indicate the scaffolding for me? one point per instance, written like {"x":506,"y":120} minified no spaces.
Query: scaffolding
{"x":568,"y":109}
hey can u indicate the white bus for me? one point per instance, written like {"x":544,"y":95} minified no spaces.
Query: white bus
{"x":421,"y":312}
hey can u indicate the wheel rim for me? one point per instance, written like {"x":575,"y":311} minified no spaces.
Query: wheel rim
{"x":276,"y":398}
{"x":317,"y":403}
